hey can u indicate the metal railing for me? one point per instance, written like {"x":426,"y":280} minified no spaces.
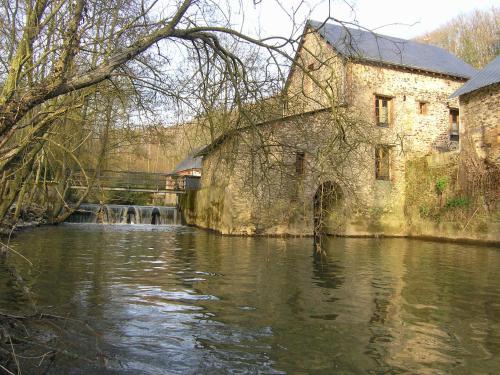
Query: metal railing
{"x":138,"y":181}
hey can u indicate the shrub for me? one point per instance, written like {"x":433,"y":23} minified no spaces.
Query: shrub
{"x":441,"y":184}
{"x":457,"y":202}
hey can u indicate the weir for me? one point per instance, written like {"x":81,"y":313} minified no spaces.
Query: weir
{"x":125,"y":214}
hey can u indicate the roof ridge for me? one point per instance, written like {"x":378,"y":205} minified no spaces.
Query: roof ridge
{"x":372,"y":46}
{"x":360,"y":28}
{"x":385,"y":36}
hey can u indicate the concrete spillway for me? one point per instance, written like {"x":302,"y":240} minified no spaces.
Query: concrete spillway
{"x":125,"y":214}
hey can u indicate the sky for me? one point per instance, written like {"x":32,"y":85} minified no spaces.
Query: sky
{"x":403,"y":18}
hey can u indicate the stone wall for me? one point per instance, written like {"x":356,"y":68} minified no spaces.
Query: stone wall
{"x":339,"y":81}
{"x":410,"y":134}
{"x":319,"y":78}
{"x":250,"y":183}
{"x":434,"y":206}
{"x":421,"y":133}
{"x":480,"y":123}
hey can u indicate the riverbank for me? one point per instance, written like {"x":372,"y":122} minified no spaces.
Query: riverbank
{"x":443,"y":223}
{"x":422,"y":237}
{"x":35,"y":216}
{"x":32,"y":216}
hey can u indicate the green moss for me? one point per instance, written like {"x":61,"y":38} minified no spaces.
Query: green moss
{"x":375,"y":216}
{"x":424,"y":211}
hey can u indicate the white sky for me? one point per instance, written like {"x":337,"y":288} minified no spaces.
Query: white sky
{"x":418,"y":16}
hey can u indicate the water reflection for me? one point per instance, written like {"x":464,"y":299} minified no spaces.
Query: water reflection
{"x":181,"y":300}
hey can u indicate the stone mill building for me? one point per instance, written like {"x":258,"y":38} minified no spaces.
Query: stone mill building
{"x":330,"y":154}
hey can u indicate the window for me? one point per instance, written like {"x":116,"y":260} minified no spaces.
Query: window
{"x":423,"y":107}
{"x":285,"y":107}
{"x":343,"y":82}
{"x":454,"y":125}
{"x":299,"y":163}
{"x":382,"y":110}
{"x":382,"y":162}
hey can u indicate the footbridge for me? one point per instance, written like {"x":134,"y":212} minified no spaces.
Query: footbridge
{"x":137,"y":182}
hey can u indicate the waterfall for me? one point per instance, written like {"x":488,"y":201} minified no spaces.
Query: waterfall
{"x":125,"y":214}
{"x":87,"y":213}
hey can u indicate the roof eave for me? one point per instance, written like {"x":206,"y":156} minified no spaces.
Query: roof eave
{"x":221,"y":139}
{"x":459,"y":92}
{"x":412,"y":68}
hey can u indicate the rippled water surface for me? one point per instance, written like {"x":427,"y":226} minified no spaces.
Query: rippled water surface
{"x":178,"y":300}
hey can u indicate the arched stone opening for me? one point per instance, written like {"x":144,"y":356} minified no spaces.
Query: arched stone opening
{"x":103,"y":214}
{"x":155,"y":216}
{"x":328,"y":209}
{"x":131,"y":216}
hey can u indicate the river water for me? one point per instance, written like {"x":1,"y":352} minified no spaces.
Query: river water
{"x":179,"y":300}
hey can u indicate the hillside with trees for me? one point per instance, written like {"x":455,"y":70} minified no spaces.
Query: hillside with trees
{"x":474,"y":37}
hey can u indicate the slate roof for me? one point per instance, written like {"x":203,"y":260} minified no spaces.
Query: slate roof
{"x":192,"y":161}
{"x":368,"y":46}
{"x":488,"y":76}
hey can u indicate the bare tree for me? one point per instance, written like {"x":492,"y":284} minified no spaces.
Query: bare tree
{"x":474,"y":37}
{"x":57,"y":54}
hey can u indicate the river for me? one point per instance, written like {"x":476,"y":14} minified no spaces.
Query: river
{"x":179,"y":300}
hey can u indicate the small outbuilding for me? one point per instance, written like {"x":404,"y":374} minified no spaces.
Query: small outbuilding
{"x":190,"y":166}
{"x":479,"y":102}
{"x":186,"y":175}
